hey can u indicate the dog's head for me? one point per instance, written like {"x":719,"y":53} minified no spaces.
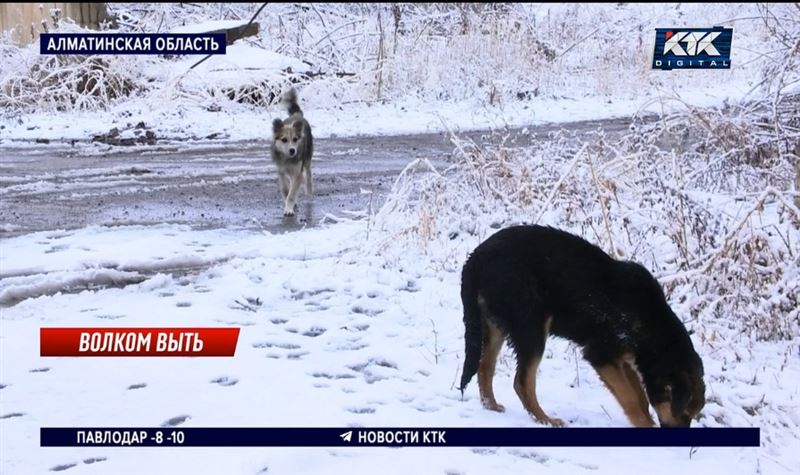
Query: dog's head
{"x":286,"y":138}
{"x":679,"y":393}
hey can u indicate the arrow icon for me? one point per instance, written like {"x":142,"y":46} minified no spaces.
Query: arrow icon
{"x":347,"y":436}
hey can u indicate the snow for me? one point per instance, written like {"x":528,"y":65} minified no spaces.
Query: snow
{"x":465,"y":82}
{"x":209,"y":26}
{"x":340,"y":339}
{"x":409,"y":116}
{"x":240,"y":61}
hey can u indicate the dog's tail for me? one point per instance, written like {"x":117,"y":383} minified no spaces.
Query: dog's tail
{"x":473,"y":336}
{"x":291,"y":100}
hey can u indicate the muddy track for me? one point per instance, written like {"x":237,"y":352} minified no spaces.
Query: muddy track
{"x":210,"y":185}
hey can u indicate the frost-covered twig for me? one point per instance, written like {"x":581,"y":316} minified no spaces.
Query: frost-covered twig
{"x":557,"y":186}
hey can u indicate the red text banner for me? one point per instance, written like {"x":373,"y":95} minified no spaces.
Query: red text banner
{"x":138,"y":341}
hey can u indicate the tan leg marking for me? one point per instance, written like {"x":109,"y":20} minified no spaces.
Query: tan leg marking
{"x":492,"y":343}
{"x":547,"y":324}
{"x":627,"y":391}
{"x":636,"y":383}
{"x":527,"y":393}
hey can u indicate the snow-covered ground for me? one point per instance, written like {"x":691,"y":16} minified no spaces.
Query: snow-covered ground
{"x":331,"y":336}
{"x":409,"y":116}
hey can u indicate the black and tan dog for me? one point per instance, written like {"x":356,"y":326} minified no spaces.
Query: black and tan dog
{"x":526,"y":282}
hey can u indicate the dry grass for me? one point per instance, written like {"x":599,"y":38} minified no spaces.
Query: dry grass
{"x":494,"y":54}
{"x":714,"y":220}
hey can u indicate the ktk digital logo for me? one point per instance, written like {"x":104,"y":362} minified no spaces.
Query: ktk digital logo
{"x":693,"y":48}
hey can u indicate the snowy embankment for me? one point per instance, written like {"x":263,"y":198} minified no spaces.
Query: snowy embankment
{"x":478,"y":68}
{"x":409,"y":116}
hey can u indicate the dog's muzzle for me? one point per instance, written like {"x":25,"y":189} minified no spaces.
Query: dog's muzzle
{"x":680,"y":422}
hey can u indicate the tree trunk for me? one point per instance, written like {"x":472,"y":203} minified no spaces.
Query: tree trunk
{"x":18,"y":17}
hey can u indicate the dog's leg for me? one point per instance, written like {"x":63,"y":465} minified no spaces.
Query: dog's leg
{"x":283,"y":183}
{"x":490,"y":348}
{"x":525,"y":386}
{"x":528,"y":358}
{"x":309,"y":184}
{"x":628,"y":392}
{"x":294,"y":187}
{"x":636,"y":384}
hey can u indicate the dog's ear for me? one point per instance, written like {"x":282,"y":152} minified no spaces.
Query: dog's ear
{"x":298,"y":127}
{"x":680,"y":392}
{"x":697,"y":388}
{"x":277,"y":126}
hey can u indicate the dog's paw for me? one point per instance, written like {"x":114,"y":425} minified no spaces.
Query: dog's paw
{"x":288,"y":212}
{"x":493,"y":406}
{"x":556,"y":422}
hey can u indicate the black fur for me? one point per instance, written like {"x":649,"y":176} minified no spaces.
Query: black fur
{"x":522,"y":275}
{"x":472,"y":324}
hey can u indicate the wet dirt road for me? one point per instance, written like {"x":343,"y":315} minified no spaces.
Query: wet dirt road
{"x":213,"y":185}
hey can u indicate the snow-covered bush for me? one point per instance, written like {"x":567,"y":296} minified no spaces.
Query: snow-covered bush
{"x":30,"y":81}
{"x":702,"y":197}
{"x":709,"y":211}
{"x":489,"y":53}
